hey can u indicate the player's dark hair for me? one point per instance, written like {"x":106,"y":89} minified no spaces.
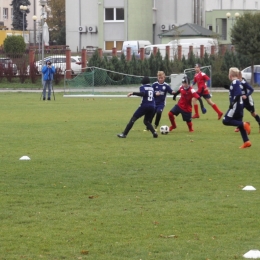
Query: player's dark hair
{"x":145,"y":80}
{"x":186,"y":80}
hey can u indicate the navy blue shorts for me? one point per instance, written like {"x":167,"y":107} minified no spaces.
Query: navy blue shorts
{"x":249,"y":105}
{"x":186,"y":116}
{"x":207,"y":96}
{"x":159,"y":107}
{"x":146,"y":111}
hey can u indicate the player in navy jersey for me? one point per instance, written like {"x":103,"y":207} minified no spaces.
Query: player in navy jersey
{"x":247,"y":92}
{"x":161,"y":89}
{"x":184,"y":106}
{"x":234,"y":115}
{"x":145,"y":109}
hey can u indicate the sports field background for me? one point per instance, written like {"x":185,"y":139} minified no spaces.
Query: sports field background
{"x":86,"y":194}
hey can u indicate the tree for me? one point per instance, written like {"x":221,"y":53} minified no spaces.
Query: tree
{"x":18,"y":15}
{"x":14,"y":45}
{"x":245,"y":36}
{"x":56,"y":21}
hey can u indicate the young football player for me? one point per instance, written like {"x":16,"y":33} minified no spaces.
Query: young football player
{"x":247,"y":92}
{"x":145,"y":109}
{"x":162,"y":88}
{"x":184,"y":105}
{"x":234,"y":115}
{"x":201,"y":79}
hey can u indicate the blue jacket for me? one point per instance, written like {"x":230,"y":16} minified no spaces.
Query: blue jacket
{"x":48,"y":73}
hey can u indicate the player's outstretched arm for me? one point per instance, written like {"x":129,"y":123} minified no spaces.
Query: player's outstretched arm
{"x":226,"y":86}
{"x":140,"y":94}
{"x":175,"y":94}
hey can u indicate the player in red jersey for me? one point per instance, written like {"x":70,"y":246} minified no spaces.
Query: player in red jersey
{"x":184,"y":106}
{"x":201,"y":78}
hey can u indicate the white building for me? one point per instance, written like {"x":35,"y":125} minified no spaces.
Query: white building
{"x":6,"y":13}
{"x":107,"y":23}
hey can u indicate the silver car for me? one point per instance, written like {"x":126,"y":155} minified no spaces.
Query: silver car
{"x":59,"y":62}
{"x":6,"y":62}
{"x":247,"y":72}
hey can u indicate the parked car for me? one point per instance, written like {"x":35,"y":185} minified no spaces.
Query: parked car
{"x":59,"y":62}
{"x":135,"y":46}
{"x":247,"y":72}
{"x":5,"y":62}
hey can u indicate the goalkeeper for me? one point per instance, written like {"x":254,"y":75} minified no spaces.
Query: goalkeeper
{"x":184,"y":106}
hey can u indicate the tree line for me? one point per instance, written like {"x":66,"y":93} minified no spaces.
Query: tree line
{"x":220,"y":64}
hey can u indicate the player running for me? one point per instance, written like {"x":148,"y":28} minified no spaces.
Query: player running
{"x":161,"y":89}
{"x":247,"y":92}
{"x":234,"y":115}
{"x":145,"y":109}
{"x":201,"y":79}
{"x":184,"y":106}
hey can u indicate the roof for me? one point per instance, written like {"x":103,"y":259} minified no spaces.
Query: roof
{"x":188,"y":29}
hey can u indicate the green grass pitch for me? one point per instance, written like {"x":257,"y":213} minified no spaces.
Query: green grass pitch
{"x":86,"y":194}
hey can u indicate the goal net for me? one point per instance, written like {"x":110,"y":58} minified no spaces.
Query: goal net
{"x":101,"y":82}
{"x":206,"y":69}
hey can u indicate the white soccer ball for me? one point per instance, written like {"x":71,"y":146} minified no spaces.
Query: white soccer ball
{"x":164,"y":129}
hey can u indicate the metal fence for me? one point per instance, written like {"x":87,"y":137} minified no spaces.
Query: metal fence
{"x":27,"y":66}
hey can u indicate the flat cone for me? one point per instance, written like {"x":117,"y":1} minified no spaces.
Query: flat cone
{"x":249,"y":188}
{"x":24,"y":158}
{"x":253,"y":254}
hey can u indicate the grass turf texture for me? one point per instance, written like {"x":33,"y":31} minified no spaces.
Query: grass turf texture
{"x":86,"y":194}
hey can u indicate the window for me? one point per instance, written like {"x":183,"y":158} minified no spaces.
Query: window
{"x":114,"y":14}
{"x":12,"y":13}
{"x":109,"y":14}
{"x":210,"y":27}
{"x":5,"y":13}
{"x":256,"y":5}
{"x":110,"y":44}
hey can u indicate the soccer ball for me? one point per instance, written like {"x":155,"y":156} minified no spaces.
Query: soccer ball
{"x":164,"y":129}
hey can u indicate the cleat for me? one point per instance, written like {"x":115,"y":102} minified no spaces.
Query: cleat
{"x":121,"y":135}
{"x":155,"y":135}
{"x":155,"y":127}
{"x":191,"y":130}
{"x":195,"y":116}
{"x":236,"y":130}
{"x":245,"y":145}
{"x":204,"y":110}
{"x":171,"y":128}
{"x":247,"y":127}
{"x":220,"y":115}
{"x":145,"y":130}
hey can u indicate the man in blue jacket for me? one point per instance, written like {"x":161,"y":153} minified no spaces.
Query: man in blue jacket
{"x":48,"y":70}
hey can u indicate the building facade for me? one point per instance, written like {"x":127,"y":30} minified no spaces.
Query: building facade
{"x":107,"y":23}
{"x":6,"y":13}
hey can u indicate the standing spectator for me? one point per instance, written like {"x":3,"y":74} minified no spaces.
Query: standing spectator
{"x":201,"y":79}
{"x":48,"y":70}
{"x":234,"y":115}
{"x":145,"y":109}
{"x":184,"y":106}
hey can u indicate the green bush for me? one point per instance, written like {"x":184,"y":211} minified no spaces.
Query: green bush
{"x":14,"y":45}
{"x":219,"y":79}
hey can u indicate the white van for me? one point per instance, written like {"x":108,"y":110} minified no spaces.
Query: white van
{"x":135,"y":46}
{"x":148,"y":50}
{"x":185,"y":43}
